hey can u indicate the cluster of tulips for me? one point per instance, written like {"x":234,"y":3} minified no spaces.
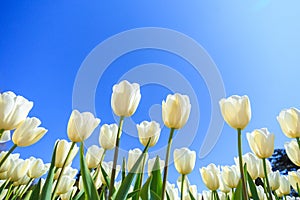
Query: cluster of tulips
{"x":23,"y":179}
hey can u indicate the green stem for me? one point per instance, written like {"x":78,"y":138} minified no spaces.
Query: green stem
{"x":113,"y":173}
{"x":267,"y":180}
{"x":284,"y":197}
{"x":62,"y":169}
{"x":298,"y":141}
{"x":167,"y":163}
{"x":1,"y":132}
{"x":142,"y":172}
{"x":182,"y":184}
{"x":245,"y":192}
{"x":7,"y":154}
{"x":212,"y":195}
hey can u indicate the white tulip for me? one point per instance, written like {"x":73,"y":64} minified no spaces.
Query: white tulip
{"x":68,"y":171}
{"x":184,"y":160}
{"x":69,"y":195}
{"x":148,"y":130}
{"x":252,"y":164}
{"x":293,"y":152}
{"x":210,"y":176}
{"x":81,"y":125}
{"x":63,"y":147}
{"x":108,"y":136}
{"x":176,"y":110}
{"x":125,"y":98}
{"x":93,"y":156}
{"x":151,"y":163}
{"x":18,"y":169}
{"x":274,"y":180}
{"x":223,"y":186}
{"x":294,"y":179}
{"x":37,"y":168}
{"x":285,"y":187}
{"x":7,"y":164}
{"x":289,"y":121}
{"x":28,"y":132}
{"x":236,"y":111}
{"x":261,"y":173}
{"x":14,"y":110}
{"x":22,"y":181}
{"x":64,"y":185}
{"x":172,"y":191}
{"x":5,"y":137}
{"x":107,"y":166}
{"x":133,"y":156}
{"x":231,"y":175}
{"x":261,"y":142}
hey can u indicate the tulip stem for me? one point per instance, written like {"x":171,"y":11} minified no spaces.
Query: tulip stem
{"x":267,"y":180}
{"x":113,"y":173}
{"x":182,"y":184}
{"x":166,"y":164}
{"x":7,"y":154}
{"x":298,"y":141}
{"x":1,"y":132}
{"x":245,"y":194}
{"x":142,"y":172}
{"x":62,"y":169}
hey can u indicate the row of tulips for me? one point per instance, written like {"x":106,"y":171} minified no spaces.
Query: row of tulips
{"x":97,"y":180}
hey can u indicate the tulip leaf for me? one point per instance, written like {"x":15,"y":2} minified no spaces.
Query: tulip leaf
{"x":238,"y":194}
{"x":145,"y":191}
{"x":88,"y":184}
{"x":132,"y":194}
{"x":154,"y":196}
{"x":28,"y":195}
{"x":156,"y":183}
{"x":79,"y":195}
{"x":36,"y":191}
{"x":137,"y":185}
{"x":191,"y":196}
{"x":252,"y":187}
{"x":47,"y":188}
{"x":105,"y":176}
{"x":168,"y":197}
{"x":125,"y":186}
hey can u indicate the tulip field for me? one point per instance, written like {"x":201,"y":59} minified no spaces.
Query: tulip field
{"x":32,"y":179}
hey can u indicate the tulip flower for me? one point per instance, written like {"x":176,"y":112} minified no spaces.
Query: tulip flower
{"x":68,"y":171}
{"x":151,"y":163}
{"x":5,"y":137}
{"x":210,"y":177}
{"x":284,"y":186}
{"x":107,"y":166}
{"x":172,"y":191}
{"x":11,"y":158}
{"x":223,"y":186}
{"x":22,"y":181}
{"x":93,"y":156}
{"x":260,"y":192}
{"x":175,"y":113}
{"x":133,"y":156}
{"x":28,"y":132}
{"x":252,"y":163}
{"x":148,"y":130}
{"x":261,"y":142}
{"x":64,"y":185}
{"x":289,"y":121}
{"x":108,"y":136}
{"x":37,"y":168}
{"x":14,"y":110}
{"x":274,"y":178}
{"x":260,"y":165}
{"x":184,"y":160}
{"x":176,"y":110}
{"x":236,"y":111}
{"x":293,"y":152}
{"x":18,"y":169}
{"x":69,"y":195}
{"x":231,"y":176}
{"x":63,"y":147}
{"x":294,"y":179}
{"x":125,"y":98}
{"x":81,"y":125}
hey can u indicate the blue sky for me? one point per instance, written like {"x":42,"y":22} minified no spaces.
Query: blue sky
{"x":254,"y":44}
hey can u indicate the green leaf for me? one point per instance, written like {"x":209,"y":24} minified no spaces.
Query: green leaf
{"x":104,"y":174}
{"x":191,"y":196}
{"x":79,"y":195}
{"x":47,"y":188}
{"x":28,"y":195}
{"x":168,"y":197}
{"x":252,"y":187}
{"x":238,"y":194}
{"x":145,"y":191}
{"x":156,"y":183}
{"x":36,"y":191}
{"x":125,"y":186}
{"x":88,"y":184}
{"x":154,"y":196}
{"x":132,"y":194}
{"x":137,"y":185}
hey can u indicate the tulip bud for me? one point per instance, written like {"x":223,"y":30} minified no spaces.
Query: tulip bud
{"x":151,"y":163}
{"x":22,"y":181}
{"x":231,"y":176}
{"x":81,"y":125}
{"x":274,"y":180}
{"x":184,"y":160}
{"x":172,"y":191}
{"x":285,"y":187}
{"x":147,"y":130}
{"x":68,"y":171}
{"x":63,"y":147}
{"x":14,"y":110}
{"x":125,"y":98}
{"x":261,"y":192}
{"x":93,"y":156}
{"x":176,"y":110}
{"x":294,"y":179}
{"x":261,"y":142}
{"x":37,"y":168}
{"x":293,"y":152}
{"x":261,"y":173}
{"x":133,"y":156}
{"x":28,"y":132}
{"x":289,"y":121}
{"x":223,"y":186}
{"x":108,"y":136}
{"x":236,"y":111}
{"x":64,"y":185}
{"x":210,"y":175}
{"x":252,"y":162}
{"x":18,"y":169}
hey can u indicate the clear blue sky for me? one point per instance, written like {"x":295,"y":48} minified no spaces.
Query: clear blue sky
{"x":254,"y":43}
